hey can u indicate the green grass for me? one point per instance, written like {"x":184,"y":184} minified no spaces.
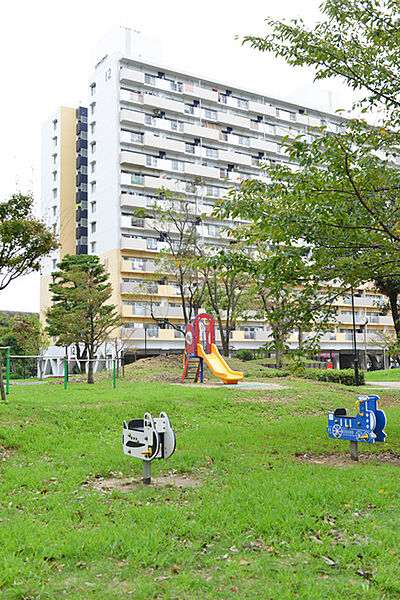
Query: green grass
{"x":261,"y":524}
{"x":386,"y":375}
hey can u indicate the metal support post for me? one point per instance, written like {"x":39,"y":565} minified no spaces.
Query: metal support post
{"x":354,"y":451}
{"x":146,"y":472}
{"x":65,"y":374}
{"x":114,"y":373}
{"x":8,"y":372}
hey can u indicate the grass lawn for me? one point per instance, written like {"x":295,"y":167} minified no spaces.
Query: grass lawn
{"x":261,"y":524}
{"x":386,"y":375}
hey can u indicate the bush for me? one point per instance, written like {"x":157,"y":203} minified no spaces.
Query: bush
{"x":244,"y":355}
{"x":343,"y":376}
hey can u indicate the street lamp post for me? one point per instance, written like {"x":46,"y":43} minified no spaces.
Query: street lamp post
{"x":66,"y":345}
{"x":357,"y":381}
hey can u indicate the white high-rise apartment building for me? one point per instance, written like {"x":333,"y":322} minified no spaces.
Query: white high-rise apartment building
{"x":148,"y":127}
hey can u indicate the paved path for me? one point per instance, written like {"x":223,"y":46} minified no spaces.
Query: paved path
{"x":390,"y":385}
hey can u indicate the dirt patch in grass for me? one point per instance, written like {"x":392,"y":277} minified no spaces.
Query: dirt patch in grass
{"x":130,"y":484}
{"x":387,"y":457}
{"x":6,"y":453}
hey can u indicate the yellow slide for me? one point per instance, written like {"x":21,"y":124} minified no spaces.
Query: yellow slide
{"x":218,"y":366}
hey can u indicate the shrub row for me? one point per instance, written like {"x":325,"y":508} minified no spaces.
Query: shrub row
{"x":343,"y":376}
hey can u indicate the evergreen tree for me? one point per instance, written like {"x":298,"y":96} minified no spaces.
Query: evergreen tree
{"x":80,"y":313}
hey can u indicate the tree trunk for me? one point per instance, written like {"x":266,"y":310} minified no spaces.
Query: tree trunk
{"x":278,"y":358}
{"x":393,"y":297}
{"x":90,"y":378}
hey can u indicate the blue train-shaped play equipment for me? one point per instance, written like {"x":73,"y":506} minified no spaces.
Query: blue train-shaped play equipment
{"x":367,"y":426}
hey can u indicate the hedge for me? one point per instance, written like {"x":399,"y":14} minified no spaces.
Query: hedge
{"x":343,"y":376}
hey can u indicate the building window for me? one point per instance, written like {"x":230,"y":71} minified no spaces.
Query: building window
{"x":93,"y":227}
{"x":93,"y":206}
{"x":151,"y":161}
{"x":54,"y":141}
{"x":93,"y":89}
{"x":54,"y":211}
{"x":93,"y":147}
{"x":92,"y":127}
{"x":150,"y":79}
{"x":210,"y":114}
{"x":54,"y":263}
{"x":54,"y":227}
{"x":211,"y":153}
{"x":54,"y":175}
{"x":54,"y":192}
{"x":151,"y":244}
{"x":136,"y":137}
{"x":177,"y":165}
{"x":244,"y":141}
{"x":93,"y":166}
{"x":189,"y":109}
{"x":54,"y":159}
{"x":93,"y":247}
{"x":92,"y":108}
{"x":149,"y":120}
{"x":93,"y":187}
{"x":54,"y":124}
{"x":243,"y":103}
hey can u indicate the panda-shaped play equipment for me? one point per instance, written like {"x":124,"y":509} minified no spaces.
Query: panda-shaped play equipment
{"x":147,"y":439}
{"x":367,"y":426}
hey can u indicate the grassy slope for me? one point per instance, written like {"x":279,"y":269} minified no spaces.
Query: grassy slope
{"x":261,"y":525}
{"x":387,"y":375}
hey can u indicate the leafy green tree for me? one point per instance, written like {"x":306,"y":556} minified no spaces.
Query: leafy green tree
{"x":342,"y":201}
{"x":80,"y":313}
{"x":359,"y":42}
{"x":29,"y":334}
{"x":286,"y":294}
{"x":176,"y":220}
{"x":228,"y":294}
{"x":24,"y":240}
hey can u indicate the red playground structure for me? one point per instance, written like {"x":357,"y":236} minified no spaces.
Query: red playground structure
{"x":200,"y":346}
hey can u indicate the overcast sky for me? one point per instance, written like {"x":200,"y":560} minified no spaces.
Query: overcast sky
{"x":46,"y":61}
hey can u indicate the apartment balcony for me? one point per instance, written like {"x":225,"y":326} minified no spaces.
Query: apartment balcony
{"x":162,"y":143}
{"x":202,"y":171}
{"x":363,"y":301}
{"x":235,"y":158}
{"x":148,"y":287}
{"x":302,"y":119}
{"x":198,"y":92}
{"x":234,"y":120}
{"x":128,"y":266}
{"x":263,"y":145}
{"x":372,"y":320}
{"x":161,"y":335}
{"x":131,"y":200}
{"x":131,"y":287}
{"x":133,"y":244}
{"x":286,"y":131}
{"x":157,"y":183}
{"x":262,"y":109}
{"x":159,"y":103}
{"x":131,"y":117}
{"x":159,"y":312}
{"x":151,"y":182}
{"x":314,"y":122}
{"x":131,"y":76}
{"x":201,"y":132}
{"x":133,"y":158}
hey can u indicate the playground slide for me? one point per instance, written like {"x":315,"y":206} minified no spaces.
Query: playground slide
{"x":218,"y":366}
